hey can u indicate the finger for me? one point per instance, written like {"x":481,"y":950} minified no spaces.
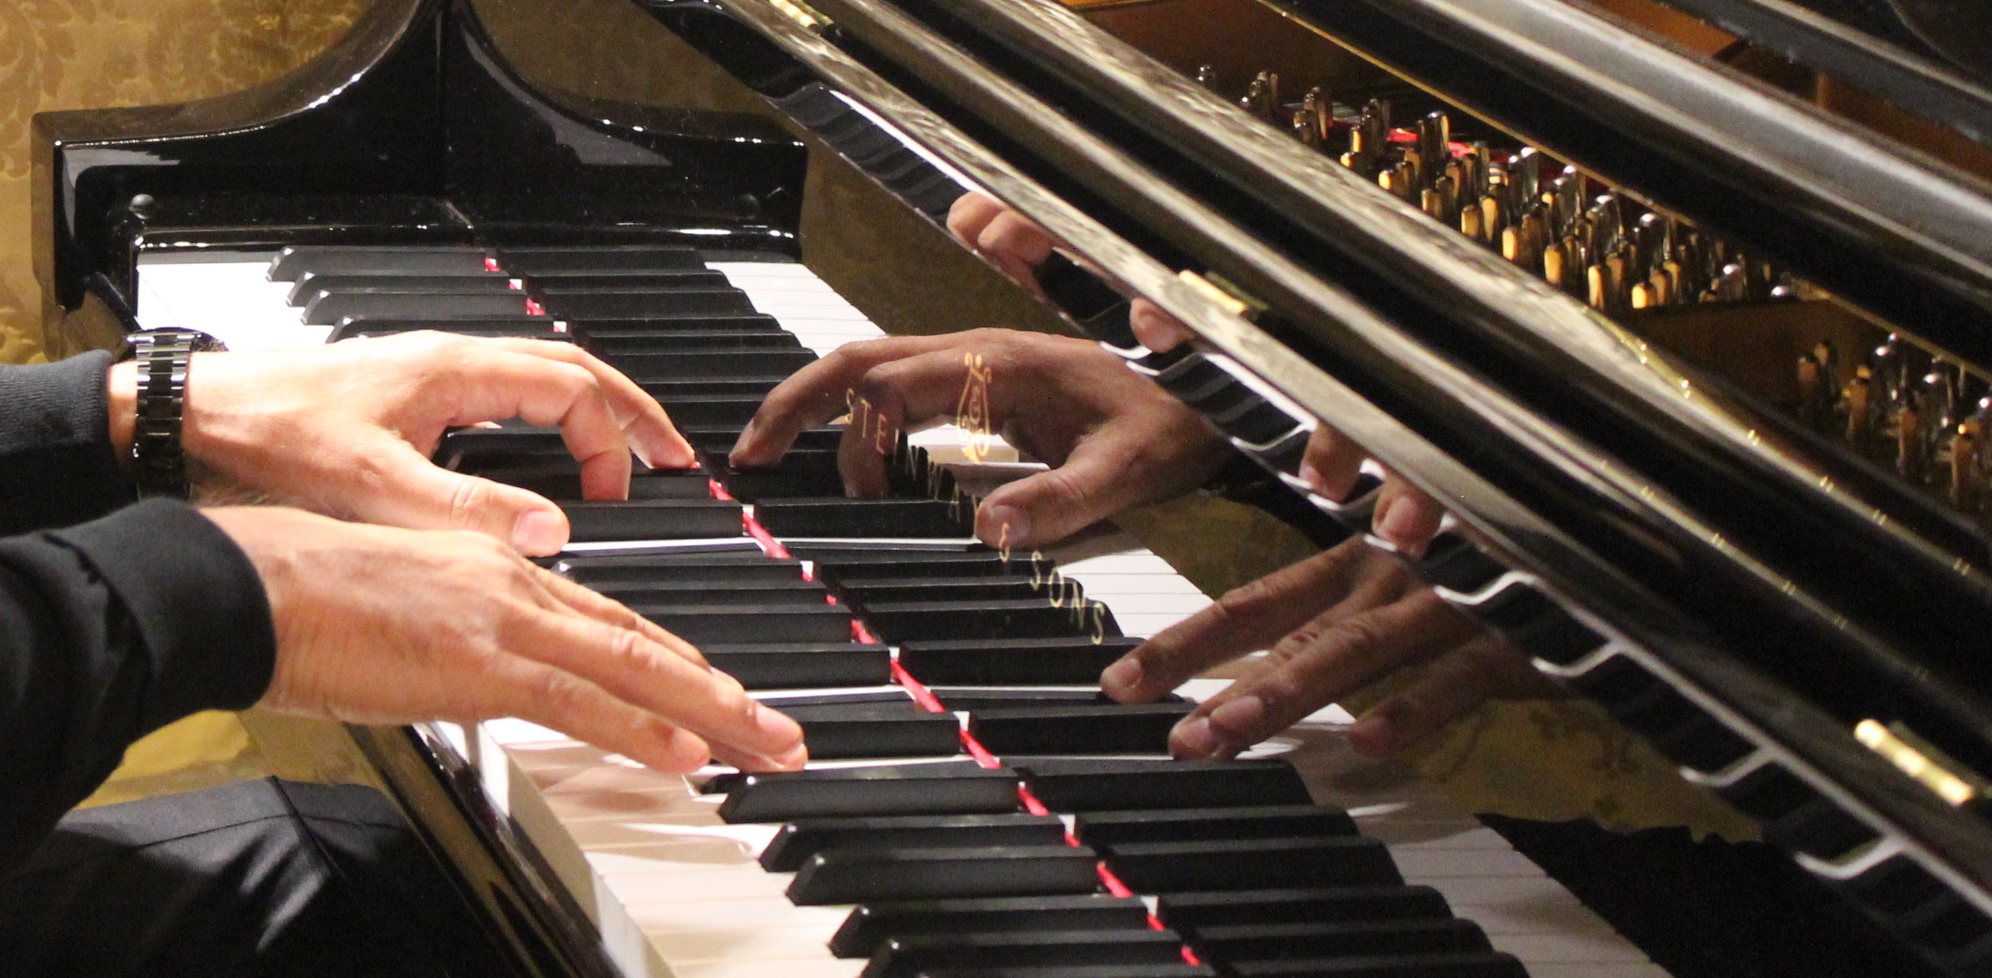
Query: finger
{"x":793,"y":760}
{"x":1332,"y":463}
{"x":817,"y":393}
{"x":643,"y":420}
{"x":406,"y":489}
{"x":1332,"y":656}
{"x":1088,"y":487}
{"x":1405,"y":516}
{"x":613,"y":612}
{"x":893,"y":396}
{"x":970,"y":213}
{"x":641,"y":672}
{"x":547,"y":696}
{"x":1017,"y":246}
{"x":1157,"y":330}
{"x":500,"y":383}
{"x":1245,"y":619}
{"x":1452,"y":685}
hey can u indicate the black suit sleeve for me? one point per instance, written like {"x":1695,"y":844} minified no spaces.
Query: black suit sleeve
{"x":109,"y":629}
{"x":57,"y":467}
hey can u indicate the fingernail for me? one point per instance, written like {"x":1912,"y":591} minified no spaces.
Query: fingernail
{"x":1008,"y":524}
{"x":1312,"y":476}
{"x":1123,"y":676}
{"x":793,"y":759}
{"x":1240,"y":718}
{"x":1397,"y":522}
{"x":539,"y":532}
{"x":1150,"y":330}
{"x":1374,"y":734}
{"x":1195,"y":738}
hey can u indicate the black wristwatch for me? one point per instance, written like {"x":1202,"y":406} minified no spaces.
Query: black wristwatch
{"x":158,"y":462}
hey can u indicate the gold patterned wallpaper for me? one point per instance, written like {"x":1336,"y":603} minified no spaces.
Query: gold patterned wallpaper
{"x":67,"y":54}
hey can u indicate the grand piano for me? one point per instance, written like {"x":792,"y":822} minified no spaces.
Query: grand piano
{"x":1688,"y":330}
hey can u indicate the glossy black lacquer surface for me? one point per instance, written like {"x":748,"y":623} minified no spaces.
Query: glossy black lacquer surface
{"x":411,"y":129}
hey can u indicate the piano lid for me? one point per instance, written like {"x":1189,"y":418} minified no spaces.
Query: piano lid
{"x":1674,"y":549}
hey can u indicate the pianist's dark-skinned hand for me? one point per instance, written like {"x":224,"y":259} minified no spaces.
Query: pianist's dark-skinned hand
{"x":387,"y":625}
{"x":1113,"y":440}
{"x":1405,"y":516}
{"x":347,"y":429}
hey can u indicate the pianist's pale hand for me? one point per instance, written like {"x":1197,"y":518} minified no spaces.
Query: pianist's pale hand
{"x":1404,"y":515}
{"x":1333,"y":624}
{"x":1114,"y":440}
{"x":347,"y":429}
{"x":384,"y":625}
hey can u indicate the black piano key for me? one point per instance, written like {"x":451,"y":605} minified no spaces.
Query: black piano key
{"x":799,"y":840}
{"x":754,"y":485}
{"x":844,"y":733}
{"x":908,"y":957}
{"x":610,"y":345}
{"x":625,"y":280}
{"x":610,"y":327}
{"x":926,"y":621}
{"x":1252,"y":864}
{"x":839,"y":517}
{"x":802,"y":665}
{"x":1485,"y":964}
{"x":524,"y":327}
{"x":597,"y":304}
{"x":841,"y":697}
{"x":653,"y":519}
{"x":737,"y":592}
{"x":981,"y":587}
{"x":886,"y":789}
{"x":1255,"y":422}
{"x":1013,"y":661}
{"x":847,"y":565}
{"x":1078,"y":728}
{"x":1339,"y":939}
{"x":441,"y":259}
{"x":606,"y":572}
{"x":751,"y":624}
{"x":865,"y":873}
{"x":679,"y":390}
{"x":1179,"y":969}
{"x":311,"y":283}
{"x":720,"y":332}
{"x":1188,"y":912}
{"x":872,"y":924}
{"x":1183,"y":824}
{"x":972,"y":698}
{"x":770,"y":361}
{"x":718,"y":441}
{"x":1069,"y":785}
{"x":326,"y":308}
{"x":566,"y":486}
{"x":566,"y":259}
{"x":727,"y":410}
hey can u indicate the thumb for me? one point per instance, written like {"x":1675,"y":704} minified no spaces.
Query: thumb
{"x":1050,"y":506}
{"x":422,"y":495}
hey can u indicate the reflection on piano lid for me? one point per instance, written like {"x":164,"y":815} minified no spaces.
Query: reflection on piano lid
{"x":1799,"y":630}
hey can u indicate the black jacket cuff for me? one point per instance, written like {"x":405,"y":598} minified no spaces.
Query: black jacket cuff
{"x":198,"y":602}
{"x":57,"y":434}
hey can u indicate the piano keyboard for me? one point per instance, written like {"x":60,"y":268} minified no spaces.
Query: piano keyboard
{"x":675,"y":888}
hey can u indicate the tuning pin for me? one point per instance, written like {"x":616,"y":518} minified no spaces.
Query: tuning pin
{"x":1525,"y":173}
{"x":1470,"y":221}
{"x":1376,"y":115}
{"x":1966,"y":483}
{"x":1207,"y":77}
{"x":1907,"y":412}
{"x":1859,"y":397}
{"x":1811,"y":379}
{"x":1732,"y":285}
{"x":1483,"y":158}
{"x":1320,"y":112}
{"x":1262,"y":98}
{"x":1302,"y":127}
{"x":1608,"y":227}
